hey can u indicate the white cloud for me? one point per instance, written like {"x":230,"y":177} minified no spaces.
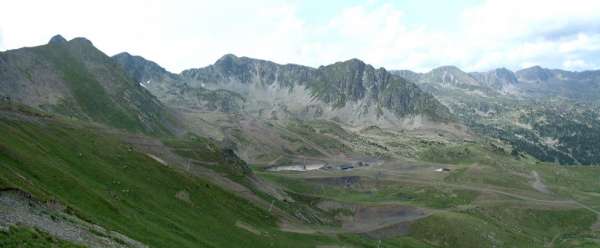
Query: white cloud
{"x":184,"y":33}
{"x":575,"y":64}
{"x":496,"y":33}
{"x":177,"y":34}
{"x":546,"y":31}
{"x":1,"y":42}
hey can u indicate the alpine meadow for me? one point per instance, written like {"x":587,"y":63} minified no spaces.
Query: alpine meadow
{"x":421,"y":124}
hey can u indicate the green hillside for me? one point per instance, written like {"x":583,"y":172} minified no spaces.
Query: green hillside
{"x":102,"y":180}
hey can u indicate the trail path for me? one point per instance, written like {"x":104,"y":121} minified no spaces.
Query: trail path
{"x":537,"y":184}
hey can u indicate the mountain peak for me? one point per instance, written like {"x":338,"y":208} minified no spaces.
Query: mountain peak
{"x":448,"y":68}
{"x":140,"y":68}
{"x":122,"y":54}
{"x":535,"y":67}
{"x":57,"y":39}
{"x":503,"y":70}
{"x":534,"y":73}
{"x":227,"y":57}
{"x":82,"y":41}
{"x":354,"y":63}
{"x":497,"y":78}
{"x":354,"y":60}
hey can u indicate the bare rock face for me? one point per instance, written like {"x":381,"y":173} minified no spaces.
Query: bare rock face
{"x":350,"y":91}
{"x":498,"y":78}
{"x":173,"y":90}
{"x":20,"y":208}
{"x":341,"y":89}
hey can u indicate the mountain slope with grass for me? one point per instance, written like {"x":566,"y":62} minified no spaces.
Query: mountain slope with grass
{"x":75,"y":79}
{"x":100,"y":177}
{"x":119,"y":152}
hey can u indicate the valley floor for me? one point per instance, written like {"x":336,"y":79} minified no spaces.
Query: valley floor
{"x":67,"y":183}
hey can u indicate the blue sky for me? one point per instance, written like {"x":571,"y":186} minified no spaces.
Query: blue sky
{"x":476,"y":35}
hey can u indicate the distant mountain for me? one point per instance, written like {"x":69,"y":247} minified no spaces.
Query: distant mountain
{"x":577,"y":86}
{"x":142,"y":70}
{"x":533,"y":82}
{"x":350,"y":91}
{"x":75,"y":79}
{"x":173,"y":90}
{"x":549,"y":114}
{"x":448,"y":75}
{"x":535,"y":74}
{"x":500,"y":78}
{"x":264,"y":110}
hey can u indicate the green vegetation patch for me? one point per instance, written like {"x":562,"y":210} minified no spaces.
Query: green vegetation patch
{"x":22,"y":237}
{"x":103,"y":181}
{"x":371,"y":191}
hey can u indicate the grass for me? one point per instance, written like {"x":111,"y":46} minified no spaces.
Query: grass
{"x":374,"y":192}
{"x":541,"y":224}
{"x":127,"y":108}
{"x":203,"y":150}
{"x":458,"y":220}
{"x":400,"y":242}
{"x":504,"y":226}
{"x":87,"y":91}
{"x":22,"y":237}
{"x":310,"y":133}
{"x":441,"y":230}
{"x":100,"y":180}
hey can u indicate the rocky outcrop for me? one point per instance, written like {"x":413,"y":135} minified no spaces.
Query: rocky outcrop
{"x":351,"y":91}
{"x":173,"y":90}
{"x":20,"y":208}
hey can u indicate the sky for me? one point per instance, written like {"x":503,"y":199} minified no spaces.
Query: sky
{"x":475,"y":35}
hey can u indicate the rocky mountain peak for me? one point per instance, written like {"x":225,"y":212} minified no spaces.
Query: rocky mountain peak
{"x":57,"y":39}
{"x":350,"y":89}
{"x":535,"y":74}
{"x":351,"y":65}
{"x":81,"y":41}
{"x":141,"y":69}
{"x":497,"y":78}
{"x":227,"y":58}
{"x":507,"y":76}
{"x":354,"y":61}
{"x":449,"y":75}
{"x":448,"y":68}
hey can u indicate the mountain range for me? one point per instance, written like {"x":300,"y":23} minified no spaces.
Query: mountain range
{"x":350,"y":91}
{"x":532,"y":82}
{"x":100,"y":151}
{"x":548,"y":113}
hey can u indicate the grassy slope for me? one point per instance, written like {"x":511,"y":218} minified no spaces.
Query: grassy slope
{"x":101,"y":181}
{"x":19,"y":237}
{"x":90,"y":97}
